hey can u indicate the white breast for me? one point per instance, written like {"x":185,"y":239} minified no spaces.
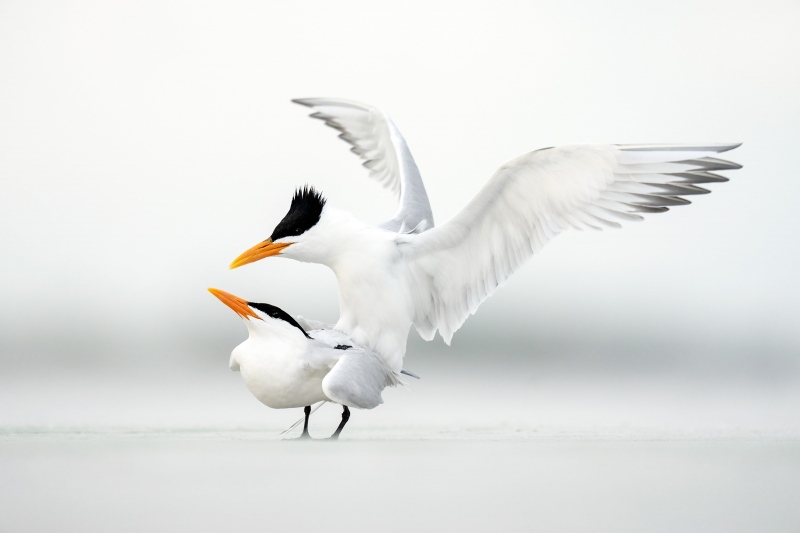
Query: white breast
{"x":376,"y":309}
{"x":278,"y":373}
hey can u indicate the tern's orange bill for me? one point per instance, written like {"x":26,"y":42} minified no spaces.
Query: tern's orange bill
{"x":259,"y":251}
{"x":238,"y":305}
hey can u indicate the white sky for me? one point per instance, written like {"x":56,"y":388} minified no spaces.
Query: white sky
{"x":143,"y":145}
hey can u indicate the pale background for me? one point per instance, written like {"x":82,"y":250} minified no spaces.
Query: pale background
{"x":144,"y":145}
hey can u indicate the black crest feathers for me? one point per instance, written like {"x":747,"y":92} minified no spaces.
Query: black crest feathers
{"x":277,"y":313}
{"x":303,"y":214}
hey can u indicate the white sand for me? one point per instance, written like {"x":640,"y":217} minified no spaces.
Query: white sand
{"x":473,"y":452}
{"x":223,"y":481}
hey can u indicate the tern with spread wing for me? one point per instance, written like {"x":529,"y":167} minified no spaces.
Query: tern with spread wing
{"x":406,"y":271}
{"x":284,"y":366}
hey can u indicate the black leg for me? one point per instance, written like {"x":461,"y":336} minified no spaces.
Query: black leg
{"x":345,"y":418}
{"x":307,"y":411}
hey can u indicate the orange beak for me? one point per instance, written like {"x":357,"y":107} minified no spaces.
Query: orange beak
{"x":259,"y":251}
{"x":238,"y":305}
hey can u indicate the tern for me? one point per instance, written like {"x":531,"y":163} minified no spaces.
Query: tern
{"x":285,"y":366}
{"x":406,"y":271}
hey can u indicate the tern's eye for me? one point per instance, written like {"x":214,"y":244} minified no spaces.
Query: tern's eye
{"x":274,"y":315}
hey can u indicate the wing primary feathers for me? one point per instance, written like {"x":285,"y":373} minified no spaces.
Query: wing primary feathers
{"x":531,"y":199}
{"x":717,"y":148}
{"x":644,"y":187}
{"x":712,"y":163}
{"x":633,"y":208}
{"x":687,"y":189}
{"x":653,"y":200}
{"x":700,"y":177}
{"x":375,"y":139}
{"x":604,"y":216}
{"x":624,"y":212}
{"x":303,"y":101}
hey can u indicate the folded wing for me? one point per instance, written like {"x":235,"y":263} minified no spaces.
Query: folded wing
{"x":374,"y":137}
{"x":358,"y":379}
{"x":531,"y":199}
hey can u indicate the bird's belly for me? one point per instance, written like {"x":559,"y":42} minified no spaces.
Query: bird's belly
{"x":282,"y":384}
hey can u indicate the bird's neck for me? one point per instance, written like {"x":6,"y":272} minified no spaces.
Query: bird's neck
{"x":375,"y":306}
{"x":350,"y":241}
{"x":276,"y":333}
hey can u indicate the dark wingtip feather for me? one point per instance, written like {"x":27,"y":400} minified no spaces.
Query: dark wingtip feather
{"x":303,"y":101}
{"x":730,"y":147}
{"x":635,"y":208}
{"x":698,"y":176}
{"x":712,"y":163}
{"x":686,"y":189}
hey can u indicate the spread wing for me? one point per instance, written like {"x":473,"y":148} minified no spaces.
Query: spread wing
{"x":530,"y":200}
{"x":358,"y":378}
{"x":374,"y":137}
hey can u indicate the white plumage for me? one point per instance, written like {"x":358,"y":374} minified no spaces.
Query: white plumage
{"x":453,"y":268}
{"x":284,"y":366}
{"x":376,"y":139}
{"x":283,"y":369}
{"x":408,"y":272}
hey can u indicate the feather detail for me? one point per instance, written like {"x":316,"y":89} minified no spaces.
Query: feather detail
{"x":373,"y":137}
{"x":533,"y":198}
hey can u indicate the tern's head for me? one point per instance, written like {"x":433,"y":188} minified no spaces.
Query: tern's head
{"x":303,"y":234}
{"x":259,"y":317}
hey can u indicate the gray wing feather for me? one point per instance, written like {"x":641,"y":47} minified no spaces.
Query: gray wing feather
{"x":375,"y":139}
{"x":358,"y":379}
{"x":529,"y":201}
